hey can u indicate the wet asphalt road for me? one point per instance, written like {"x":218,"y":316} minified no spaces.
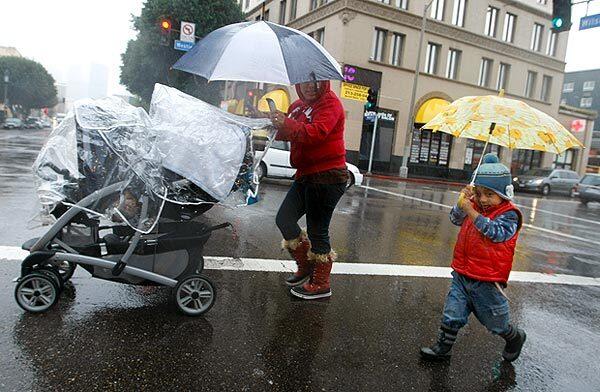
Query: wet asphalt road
{"x":106,"y":336}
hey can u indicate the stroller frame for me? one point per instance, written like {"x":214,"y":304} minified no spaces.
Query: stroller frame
{"x":51,"y":263}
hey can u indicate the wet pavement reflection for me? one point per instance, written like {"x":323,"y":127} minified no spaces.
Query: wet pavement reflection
{"x":366,"y":337}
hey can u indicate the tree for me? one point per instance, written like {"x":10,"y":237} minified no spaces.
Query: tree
{"x":30,"y":85}
{"x":146,"y":62}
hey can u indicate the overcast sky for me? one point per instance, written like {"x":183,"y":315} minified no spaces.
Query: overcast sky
{"x":63,"y":34}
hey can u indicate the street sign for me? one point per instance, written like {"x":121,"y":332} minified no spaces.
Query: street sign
{"x":577,"y":125}
{"x":183,"y":45}
{"x":589,"y":22}
{"x":354,"y":91}
{"x":188,"y":32}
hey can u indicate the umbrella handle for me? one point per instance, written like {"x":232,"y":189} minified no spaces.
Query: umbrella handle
{"x":492,"y":127}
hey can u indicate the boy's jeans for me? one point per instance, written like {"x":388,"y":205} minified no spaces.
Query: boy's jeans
{"x":467,"y":295}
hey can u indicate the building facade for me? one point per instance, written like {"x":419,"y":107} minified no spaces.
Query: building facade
{"x":469,"y":48}
{"x":582,"y":90}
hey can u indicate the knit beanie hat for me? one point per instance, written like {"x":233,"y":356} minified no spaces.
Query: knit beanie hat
{"x":495,"y":176}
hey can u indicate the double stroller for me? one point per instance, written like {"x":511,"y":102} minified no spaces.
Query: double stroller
{"x":126,"y":191}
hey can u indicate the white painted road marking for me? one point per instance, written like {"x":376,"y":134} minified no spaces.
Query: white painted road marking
{"x":13,"y":253}
{"x":553,"y":232}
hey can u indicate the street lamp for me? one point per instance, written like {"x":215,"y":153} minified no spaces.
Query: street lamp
{"x":409,"y":127}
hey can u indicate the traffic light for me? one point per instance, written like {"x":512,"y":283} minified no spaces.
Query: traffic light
{"x":371,"y":103}
{"x":165,"y":32}
{"x":561,"y":15}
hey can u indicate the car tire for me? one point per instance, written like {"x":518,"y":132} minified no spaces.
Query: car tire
{"x":584,"y":201}
{"x":351,"y":180}
{"x":261,"y":171}
{"x":546,"y":190}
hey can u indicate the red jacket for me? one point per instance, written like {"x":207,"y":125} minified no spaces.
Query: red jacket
{"x":478,"y":257}
{"x":316,"y":133}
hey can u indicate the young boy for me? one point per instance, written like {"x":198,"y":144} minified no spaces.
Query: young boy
{"x":483,"y":257}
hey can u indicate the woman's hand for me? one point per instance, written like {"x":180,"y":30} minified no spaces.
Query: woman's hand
{"x":278,"y":118}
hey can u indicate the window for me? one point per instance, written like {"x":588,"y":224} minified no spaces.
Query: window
{"x":319,"y":36}
{"x":293,"y":9}
{"x":385,"y":1}
{"x":437,"y":9}
{"x":475,"y":151}
{"x":589,"y":85}
{"x":508,"y":32}
{"x":503,"y":74}
{"x":453,"y":64}
{"x":246,"y":4}
{"x":586,"y":102}
{"x":397,"y":49}
{"x":542,"y":2}
{"x":282,"y":7}
{"x":565,"y":161}
{"x":458,"y":13}
{"x":491,"y":17}
{"x":551,"y":48}
{"x":484,"y":72}
{"x":568,"y":87}
{"x":402,"y":4}
{"x":378,"y":44}
{"x":536,"y":37}
{"x":530,"y":84}
{"x":266,"y":16}
{"x":563,"y":101}
{"x":314,"y":4}
{"x":546,"y":88}
{"x":431,"y":60}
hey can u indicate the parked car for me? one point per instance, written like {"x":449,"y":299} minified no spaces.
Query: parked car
{"x":276,"y":164}
{"x":546,"y":181}
{"x":12,"y":123}
{"x":588,"y":188}
{"x":33,"y":123}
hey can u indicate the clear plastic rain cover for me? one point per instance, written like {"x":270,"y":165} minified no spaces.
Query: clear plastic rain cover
{"x":185,"y":152}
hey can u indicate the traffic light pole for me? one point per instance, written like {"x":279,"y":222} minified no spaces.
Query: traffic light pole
{"x":375,"y":123}
{"x":410,"y":125}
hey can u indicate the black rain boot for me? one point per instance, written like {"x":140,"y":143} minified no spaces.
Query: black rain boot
{"x":515,"y":339}
{"x":441,"y":349}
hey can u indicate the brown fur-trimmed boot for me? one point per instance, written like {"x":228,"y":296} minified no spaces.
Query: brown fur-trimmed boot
{"x":318,"y":286}
{"x":299,"y":249}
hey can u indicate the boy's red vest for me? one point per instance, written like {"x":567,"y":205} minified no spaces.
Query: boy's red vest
{"x":477,"y":257}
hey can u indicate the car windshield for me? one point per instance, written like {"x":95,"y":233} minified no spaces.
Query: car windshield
{"x":538,"y":172}
{"x":591,"y":180}
{"x":12,"y":120}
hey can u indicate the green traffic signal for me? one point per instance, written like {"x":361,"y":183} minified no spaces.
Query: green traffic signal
{"x":557,"y":23}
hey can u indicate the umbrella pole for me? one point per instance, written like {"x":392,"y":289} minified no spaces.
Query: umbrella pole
{"x":492,"y":126}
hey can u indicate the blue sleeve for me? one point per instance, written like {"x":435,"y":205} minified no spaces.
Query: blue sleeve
{"x":457,"y":216}
{"x":501,"y":229}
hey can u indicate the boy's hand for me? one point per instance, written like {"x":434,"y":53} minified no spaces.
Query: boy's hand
{"x":464,"y":200}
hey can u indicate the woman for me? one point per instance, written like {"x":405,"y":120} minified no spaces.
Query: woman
{"x":315,"y":127}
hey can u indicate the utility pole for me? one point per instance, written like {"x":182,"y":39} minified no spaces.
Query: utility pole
{"x":6,"y":80}
{"x":409,"y":127}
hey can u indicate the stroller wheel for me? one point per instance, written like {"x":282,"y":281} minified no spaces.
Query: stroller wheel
{"x":36,"y":292}
{"x":195,"y":295}
{"x":53,"y":273}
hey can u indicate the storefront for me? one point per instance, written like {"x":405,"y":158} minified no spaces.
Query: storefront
{"x":525,"y":160}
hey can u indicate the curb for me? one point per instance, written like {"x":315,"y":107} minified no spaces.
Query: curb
{"x":417,"y":180}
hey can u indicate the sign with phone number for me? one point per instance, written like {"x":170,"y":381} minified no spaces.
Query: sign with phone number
{"x":354,"y":91}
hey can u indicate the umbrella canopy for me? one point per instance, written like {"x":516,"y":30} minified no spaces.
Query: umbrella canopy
{"x":260,"y":52}
{"x":505,"y":122}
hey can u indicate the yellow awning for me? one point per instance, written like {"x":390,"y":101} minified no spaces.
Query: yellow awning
{"x":280,"y":97}
{"x":430,"y":109}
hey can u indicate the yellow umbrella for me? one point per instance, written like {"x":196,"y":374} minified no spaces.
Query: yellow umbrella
{"x":505,"y":122}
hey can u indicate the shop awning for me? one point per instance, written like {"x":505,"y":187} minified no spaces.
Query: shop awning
{"x":430,"y":109}
{"x":280,"y":97}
